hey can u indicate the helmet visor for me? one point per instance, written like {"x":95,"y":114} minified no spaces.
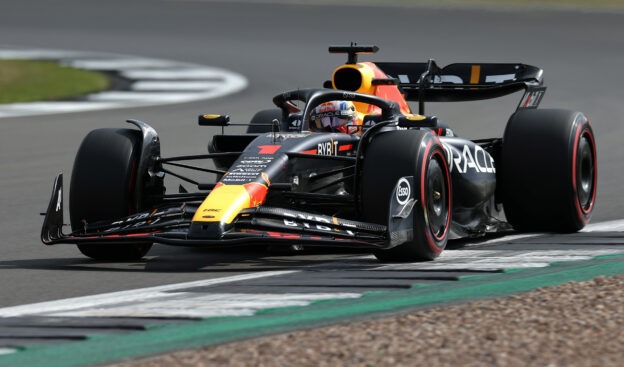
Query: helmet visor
{"x":331,"y":122}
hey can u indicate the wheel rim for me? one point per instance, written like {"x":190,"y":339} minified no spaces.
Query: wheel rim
{"x":437,"y":199}
{"x":585,"y":172}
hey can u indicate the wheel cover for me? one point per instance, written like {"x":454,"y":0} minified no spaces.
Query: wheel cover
{"x":437,"y":199}
{"x":585,"y":172}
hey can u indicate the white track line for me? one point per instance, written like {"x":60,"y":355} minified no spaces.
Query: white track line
{"x":135,"y":295}
{"x":151,"y":82}
{"x":193,"y":304}
{"x":610,"y":226}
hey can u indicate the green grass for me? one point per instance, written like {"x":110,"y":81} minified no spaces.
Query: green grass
{"x":35,"y":80}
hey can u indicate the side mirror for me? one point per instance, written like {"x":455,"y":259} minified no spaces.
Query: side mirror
{"x":213,"y":120}
{"x":295,"y":120}
{"x":370,"y":120}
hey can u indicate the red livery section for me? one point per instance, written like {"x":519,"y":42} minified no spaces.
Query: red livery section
{"x":268,"y":149}
{"x":257,"y":193}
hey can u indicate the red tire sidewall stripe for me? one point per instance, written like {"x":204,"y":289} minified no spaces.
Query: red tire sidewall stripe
{"x":590,"y":136}
{"x":582,"y":213}
{"x":432,"y":239}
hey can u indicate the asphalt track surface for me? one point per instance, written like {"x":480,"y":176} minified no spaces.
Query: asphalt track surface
{"x":277,"y":47}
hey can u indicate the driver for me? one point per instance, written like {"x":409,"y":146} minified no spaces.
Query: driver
{"x":335,"y":116}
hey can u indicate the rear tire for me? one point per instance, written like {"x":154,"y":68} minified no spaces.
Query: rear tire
{"x":549,"y":170}
{"x":102,"y":187}
{"x":395,"y":154}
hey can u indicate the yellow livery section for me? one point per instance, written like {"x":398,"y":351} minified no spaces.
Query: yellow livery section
{"x":360,"y":78}
{"x":415,"y":117}
{"x":225,"y":202}
{"x":355,"y":77}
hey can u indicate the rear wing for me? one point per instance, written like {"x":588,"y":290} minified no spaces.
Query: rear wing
{"x":461,"y":82}
{"x":427,"y":82}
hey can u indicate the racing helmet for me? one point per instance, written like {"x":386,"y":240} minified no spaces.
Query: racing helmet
{"x":335,"y":116}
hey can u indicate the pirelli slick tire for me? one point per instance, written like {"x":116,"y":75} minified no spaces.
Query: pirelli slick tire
{"x":420,"y":154}
{"x":102,"y":187}
{"x":549,"y":170}
{"x":261,"y":121}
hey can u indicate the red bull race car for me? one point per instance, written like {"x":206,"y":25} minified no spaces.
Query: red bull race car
{"x":347,"y":165}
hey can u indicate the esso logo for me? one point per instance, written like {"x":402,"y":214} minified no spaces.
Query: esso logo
{"x":403,"y":191}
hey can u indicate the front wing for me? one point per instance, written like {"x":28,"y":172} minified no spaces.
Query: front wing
{"x":169,"y":225}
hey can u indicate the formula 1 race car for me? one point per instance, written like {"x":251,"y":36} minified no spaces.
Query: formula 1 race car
{"x":397,"y":183}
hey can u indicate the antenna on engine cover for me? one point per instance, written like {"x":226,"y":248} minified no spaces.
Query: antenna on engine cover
{"x":352,"y":51}
{"x":275,"y":128}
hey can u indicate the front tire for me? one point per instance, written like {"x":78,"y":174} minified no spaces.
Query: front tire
{"x":418,"y":153}
{"x":102,"y":188}
{"x":549,"y":170}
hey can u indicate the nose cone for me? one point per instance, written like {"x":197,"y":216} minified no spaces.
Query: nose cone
{"x":216,"y":214}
